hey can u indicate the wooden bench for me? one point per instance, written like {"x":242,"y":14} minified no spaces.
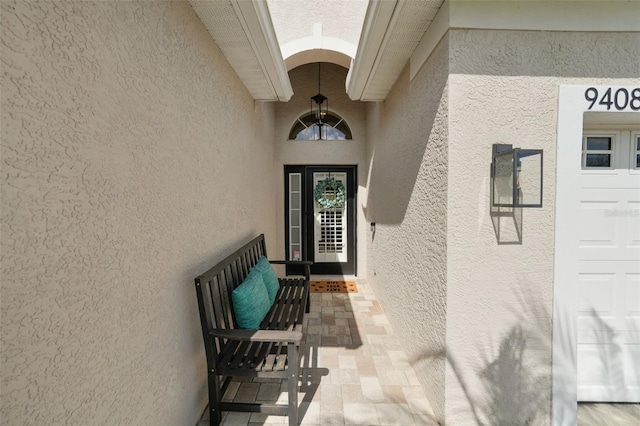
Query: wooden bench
{"x":270,"y":351}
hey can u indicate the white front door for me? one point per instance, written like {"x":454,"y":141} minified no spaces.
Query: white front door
{"x":608,"y":299}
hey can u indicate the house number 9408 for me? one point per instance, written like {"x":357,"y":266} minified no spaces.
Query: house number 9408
{"x":620,"y":99}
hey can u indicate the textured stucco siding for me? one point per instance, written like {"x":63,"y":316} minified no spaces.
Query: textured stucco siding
{"x":304,"y":80}
{"x":503,"y":88}
{"x":133,"y":158}
{"x":407,"y":198}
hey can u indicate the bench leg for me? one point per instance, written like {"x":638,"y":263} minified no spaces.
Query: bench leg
{"x":293,"y":359}
{"x":215,"y":396}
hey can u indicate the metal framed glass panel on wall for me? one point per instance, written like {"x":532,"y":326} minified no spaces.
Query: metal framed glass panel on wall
{"x":320,"y":217}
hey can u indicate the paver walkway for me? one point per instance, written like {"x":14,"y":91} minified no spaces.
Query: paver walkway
{"x":354,"y":370}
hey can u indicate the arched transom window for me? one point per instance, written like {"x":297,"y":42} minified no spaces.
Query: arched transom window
{"x":333,"y":128}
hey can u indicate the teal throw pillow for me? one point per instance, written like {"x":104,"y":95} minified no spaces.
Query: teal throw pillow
{"x":250,"y":302}
{"x":269,"y":277}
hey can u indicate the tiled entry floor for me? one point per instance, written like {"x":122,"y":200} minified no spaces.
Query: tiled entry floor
{"x":354,"y":371}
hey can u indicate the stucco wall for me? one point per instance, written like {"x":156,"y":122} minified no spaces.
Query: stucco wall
{"x":133,"y":158}
{"x":304,"y":80}
{"x":503,"y":88}
{"x":407,"y":198}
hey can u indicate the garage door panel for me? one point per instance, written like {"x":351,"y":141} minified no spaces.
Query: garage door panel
{"x":608,"y":281}
{"x":607,"y":372}
{"x":605,"y":334}
{"x":632,"y":296}
{"x":600,"y":363}
{"x":633,"y":231}
{"x":605,"y":234}
{"x":597,"y":294}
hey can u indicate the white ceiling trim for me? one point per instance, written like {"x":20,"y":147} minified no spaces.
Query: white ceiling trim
{"x":244,"y":32}
{"x":375,"y":32}
{"x":391,"y":32}
{"x":314,"y":43}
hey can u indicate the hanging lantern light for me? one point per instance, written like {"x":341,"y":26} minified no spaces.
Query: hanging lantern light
{"x":319,"y":107}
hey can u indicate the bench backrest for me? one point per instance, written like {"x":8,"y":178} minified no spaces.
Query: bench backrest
{"x":215,"y":286}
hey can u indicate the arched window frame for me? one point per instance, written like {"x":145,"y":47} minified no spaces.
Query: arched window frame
{"x":334,"y":128}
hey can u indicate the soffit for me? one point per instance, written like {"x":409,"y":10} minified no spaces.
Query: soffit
{"x":245,"y":34}
{"x":391,"y":32}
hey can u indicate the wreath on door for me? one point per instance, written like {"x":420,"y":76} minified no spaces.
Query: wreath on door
{"x":329,"y":193}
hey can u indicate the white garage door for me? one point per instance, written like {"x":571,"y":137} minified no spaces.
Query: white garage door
{"x":609,"y":268}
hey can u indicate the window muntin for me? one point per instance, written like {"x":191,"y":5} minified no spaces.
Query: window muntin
{"x":334,"y":128}
{"x":597,"y":152}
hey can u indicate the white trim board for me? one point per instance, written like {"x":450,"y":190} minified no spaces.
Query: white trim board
{"x":525,"y":15}
{"x":572,"y":104}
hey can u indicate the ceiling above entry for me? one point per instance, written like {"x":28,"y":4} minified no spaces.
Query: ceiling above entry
{"x":244,"y":31}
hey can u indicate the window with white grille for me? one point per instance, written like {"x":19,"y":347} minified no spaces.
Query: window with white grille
{"x":330,"y":229}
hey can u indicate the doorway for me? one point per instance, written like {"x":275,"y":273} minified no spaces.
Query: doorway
{"x":320,"y":218}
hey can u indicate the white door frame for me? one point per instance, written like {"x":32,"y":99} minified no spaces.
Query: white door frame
{"x":572,"y":104}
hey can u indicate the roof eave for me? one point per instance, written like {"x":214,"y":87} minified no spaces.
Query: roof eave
{"x":257,"y":61}
{"x":256,"y":21}
{"x":378,"y":23}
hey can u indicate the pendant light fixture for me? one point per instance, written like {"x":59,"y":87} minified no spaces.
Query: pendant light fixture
{"x":319,"y":107}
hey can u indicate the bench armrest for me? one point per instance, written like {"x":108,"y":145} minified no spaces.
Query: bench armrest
{"x":305,"y":263}
{"x":279,"y":336}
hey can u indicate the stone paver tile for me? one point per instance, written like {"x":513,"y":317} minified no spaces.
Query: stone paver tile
{"x":392,"y":377}
{"x":234,"y":418}
{"x":328,"y":319}
{"x":393,"y":394}
{"x":344,"y":340}
{"x":313,"y":322}
{"x":395,"y":414}
{"x":360,"y":414}
{"x":399,"y":359}
{"x":231,"y":392}
{"x":328,"y":359}
{"x":366,"y":367}
{"x":268,"y":392}
{"x":329,"y":341}
{"x":314,"y":329}
{"x":331,"y":396}
{"x":342,"y":322}
{"x":311,"y":413}
{"x":328,"y":418}
{"x":371,"y":389}
{"x":344,"y":377}
{"x":247,"y":392}
{"x":413,"y":392}
{"x":352,"y":393}
{"x":380,"y":319}
{"x":261,"y":418}
{"x":347,"y":362}
{"x":338,"y":330}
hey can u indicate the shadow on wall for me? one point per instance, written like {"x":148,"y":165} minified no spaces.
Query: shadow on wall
{"x":516,"y":381}
{"x":507,"y":224}
{"x":403,"y":135}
